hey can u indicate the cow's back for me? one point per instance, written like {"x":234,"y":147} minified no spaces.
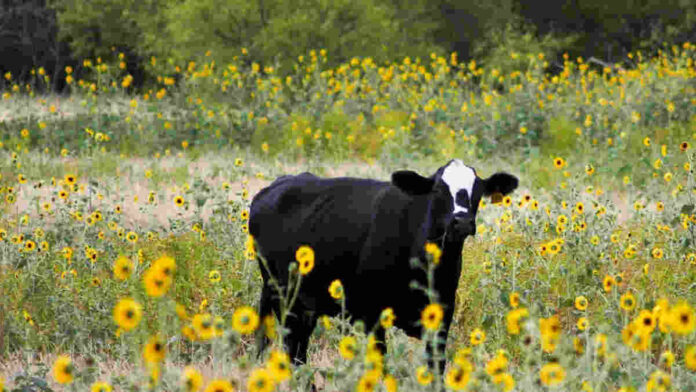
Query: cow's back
{"x":333,"y":216}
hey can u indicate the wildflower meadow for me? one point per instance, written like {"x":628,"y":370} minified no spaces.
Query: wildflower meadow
{"x":126,"y":263}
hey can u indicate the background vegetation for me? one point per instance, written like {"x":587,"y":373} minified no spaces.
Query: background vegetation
{"x":133,"y":134}
{"x":55,"y":33}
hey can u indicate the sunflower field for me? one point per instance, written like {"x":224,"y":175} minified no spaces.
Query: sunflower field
{"x":126,"y":264}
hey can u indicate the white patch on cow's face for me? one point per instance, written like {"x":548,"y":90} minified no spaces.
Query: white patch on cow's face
{"x":459,"y":176}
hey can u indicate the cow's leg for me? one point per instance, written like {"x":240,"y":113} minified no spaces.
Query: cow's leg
{"x":381,"y":338}
{"x":300,"y":326}
{"x":265,"y":309}
{"x":435,"y":353}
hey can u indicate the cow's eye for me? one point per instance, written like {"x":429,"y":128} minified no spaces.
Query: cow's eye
{"x":463,"y":198}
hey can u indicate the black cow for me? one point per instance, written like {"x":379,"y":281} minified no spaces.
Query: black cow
{"x":365,"y":232}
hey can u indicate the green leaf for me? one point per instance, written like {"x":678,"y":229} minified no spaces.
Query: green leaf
{"x":487,"y":321}
{"x":504,"y":297}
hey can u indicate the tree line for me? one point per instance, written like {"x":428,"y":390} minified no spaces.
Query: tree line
{"x":55,"y":33}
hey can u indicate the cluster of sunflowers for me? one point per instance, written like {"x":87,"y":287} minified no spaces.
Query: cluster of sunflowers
{"x":580,"y":282}
{"x":436,"y":105}
{"x":535,"y":345}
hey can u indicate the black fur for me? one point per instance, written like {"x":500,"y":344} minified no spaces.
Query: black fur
{"x":364,"y":232}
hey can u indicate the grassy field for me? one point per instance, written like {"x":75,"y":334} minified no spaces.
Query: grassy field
{"x":125,"y":262}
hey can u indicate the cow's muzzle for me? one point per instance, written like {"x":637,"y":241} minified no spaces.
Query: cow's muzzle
{"x":464,"y":225}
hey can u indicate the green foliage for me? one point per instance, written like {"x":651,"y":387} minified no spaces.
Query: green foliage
{"x":93,"y":27}
{"x":514,"y":47}
{"x":272,"y":31}
{"x":560,"y":138}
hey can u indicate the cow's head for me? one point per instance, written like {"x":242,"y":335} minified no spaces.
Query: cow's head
{"x":454,"y":192}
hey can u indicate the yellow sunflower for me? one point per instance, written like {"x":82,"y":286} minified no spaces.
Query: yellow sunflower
{"x":305,"y":257}
{"x":646,"y":321}
{"x":219,"y":386}
{"x":348,"y":347}
{"x":457,"y":378}
{"x":63,"y":370}
{"x":667,"y":358}
{"x":204,"y":326}
{"x":336,"y":289}
{"x":690,"y":357}
{"x":245,"y":320}
{"x":192,"y":379}
{"x":513,"y":319}
{"x":260,"y":380}
{"x":386,"y":318}
{"x":608,"y":283}
{"x":514,"y":299}
{"x":581,"y":303}
{"x":123,"y":267}
{"x":70,"y":179}
{"x":100,"y":387}
{"x":682,"y":319}
{"x":156,"y":282}
{"x":434,"y":252}
{"x":504,"y":381}
{"x":627,"y":301}
{"x":155,"y":350}
{"x":269,"y":324}
{"x":279,"y":366}
{"x":127,"y":314}
{"x":583,"y":323}
{"x":368,"y":382}
{"x":424,"y":376}
{"x":390,"y":383}
{"x":552,"y":374}
{"x":431,"y":317}
{"x":497,"y":365}
{"x":132,"y":237}
{"x":214,"y":276}
{"x":477,"y":337}
{"x":166,"y":265}
{"x":658,"y":382}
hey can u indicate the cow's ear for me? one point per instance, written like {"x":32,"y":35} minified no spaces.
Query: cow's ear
{"x":411,"y":182}
{"x":499,"y":184}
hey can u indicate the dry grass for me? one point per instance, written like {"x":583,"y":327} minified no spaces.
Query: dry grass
{"x":321,"y":356}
